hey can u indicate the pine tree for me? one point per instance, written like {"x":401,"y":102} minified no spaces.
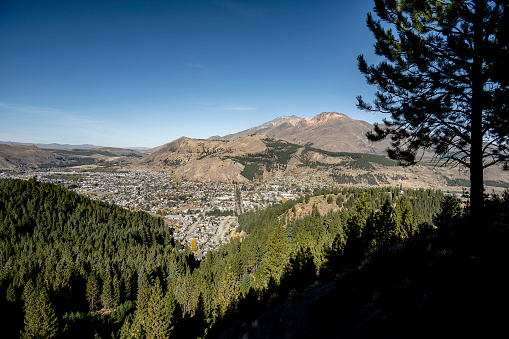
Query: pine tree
{"x":444,"y":83}
{"x":159,"y":313}
{"x":381,"y":227}
{"x":277,"y":256}
{"x":40,"y":319}
{"x":406,"y":220}
{"x":136,"y":327}
{"x":11,"y":293}
{"x":107,"y":293}
{"x":450,"y":211}
{"x":116,"y":296}
{"x":143,"y":294}
{"x":357,"y":221}
{"x":357,"y":243}
{"x":93,"y":291}
{"x":125,"y":330}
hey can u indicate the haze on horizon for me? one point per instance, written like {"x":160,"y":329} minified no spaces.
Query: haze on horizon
{"x":142,"y":74}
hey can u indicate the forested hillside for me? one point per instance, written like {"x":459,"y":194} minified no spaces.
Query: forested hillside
{"x":63,"y":255}
{"x":72,"y":267}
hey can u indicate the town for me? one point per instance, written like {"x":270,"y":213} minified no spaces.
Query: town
{"x":203,"y":215}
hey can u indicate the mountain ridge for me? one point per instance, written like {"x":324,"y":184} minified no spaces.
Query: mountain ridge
{"x":330,"y":131}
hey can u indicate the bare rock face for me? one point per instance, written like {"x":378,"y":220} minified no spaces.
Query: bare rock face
{"x":329,"y":131}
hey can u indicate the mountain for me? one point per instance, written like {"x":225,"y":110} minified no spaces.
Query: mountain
{"x":198,"y":159}
{"x":257,"y":156}
{"x":329,"y":131}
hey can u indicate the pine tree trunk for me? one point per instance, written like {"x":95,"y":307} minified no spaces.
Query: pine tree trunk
{"x":476,"y":190}
{"x":476,"y":151}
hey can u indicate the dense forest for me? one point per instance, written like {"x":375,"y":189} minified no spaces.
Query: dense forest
{"x":73,"y":267}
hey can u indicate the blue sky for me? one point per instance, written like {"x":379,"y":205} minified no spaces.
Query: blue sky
{"x":143,"y":73}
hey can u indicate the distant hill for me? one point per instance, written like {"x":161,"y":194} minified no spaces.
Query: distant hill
{"x":21,"y":157}
{"x":53,"y":145}
{"x":329,"y":142}
{"x":329,"y":131}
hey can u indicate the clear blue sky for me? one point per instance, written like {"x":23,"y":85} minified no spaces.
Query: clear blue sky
{"x":143,"y":73}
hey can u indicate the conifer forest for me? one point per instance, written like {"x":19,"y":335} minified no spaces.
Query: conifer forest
{"x":74,"y":267}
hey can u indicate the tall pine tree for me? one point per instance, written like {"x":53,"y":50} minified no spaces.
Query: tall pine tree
{"x":444,"y":83}
{"x":93,"y":291}
{"x":40,"y":318}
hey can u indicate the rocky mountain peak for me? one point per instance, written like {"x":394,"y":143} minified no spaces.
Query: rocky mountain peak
{"x":330,"y":131}
{"x":323,"y":117}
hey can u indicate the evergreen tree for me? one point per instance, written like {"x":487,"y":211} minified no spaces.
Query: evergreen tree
{"x":357,"y":221}
{"x":227,"y":289}
{"x":116,"y":297}
{"x":125,"y":330}
{"x":451,"y":211}
{"x":381,"y":227}
{"x":93,"y":291}
{"x":136,"y":328}
{"x":40,"y":319}
{"x":444,"y":82}
{"x":107,"y":293}
{"x":406,"y":220}
{"x":159,"y":313}
{"x":357,"y":242}
{"x":277,"y":256}
{"x":11,"y":293}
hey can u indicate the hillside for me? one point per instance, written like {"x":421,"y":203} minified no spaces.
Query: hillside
{"x":71,"y":255}
{"x":257,"y":156}
{"x":442,"y":284}
{"x":329,"y":131}
{"x":96,"y":269}
{"x":21,"y":157}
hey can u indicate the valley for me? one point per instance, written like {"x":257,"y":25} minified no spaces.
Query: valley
{"x":283,"y":147}
{"x":201,"y":186}
{"x":225,"y":227}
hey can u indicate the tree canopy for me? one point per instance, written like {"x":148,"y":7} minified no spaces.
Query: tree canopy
{"x":74,"y":267}
{"x":444,"y":81}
